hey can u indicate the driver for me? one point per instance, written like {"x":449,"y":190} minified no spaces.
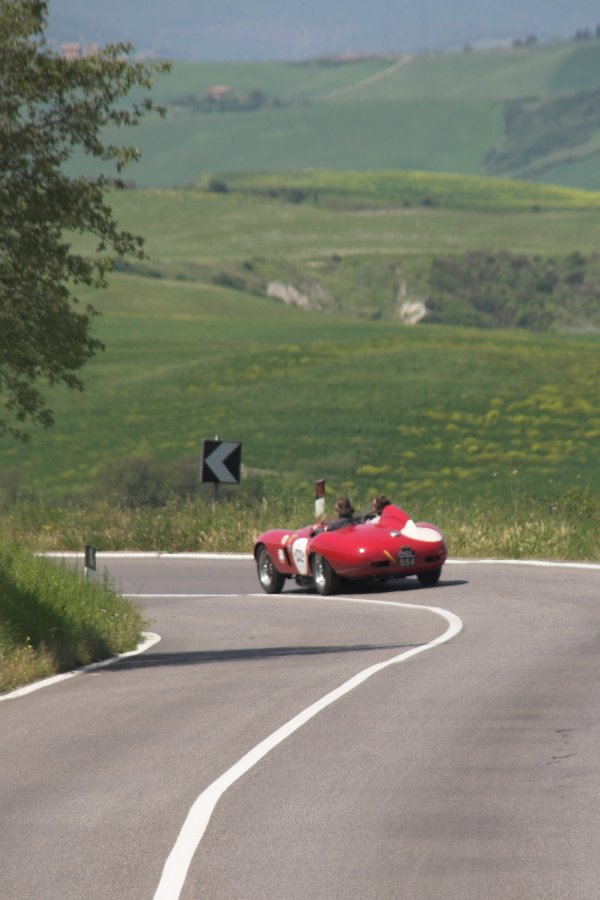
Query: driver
{"x":345,"y":516}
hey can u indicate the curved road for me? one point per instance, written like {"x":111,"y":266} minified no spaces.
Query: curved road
{"x":468,"y":767}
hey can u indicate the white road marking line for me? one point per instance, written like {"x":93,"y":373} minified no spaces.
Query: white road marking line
{"x":179,"y":860}
{"x":524,"y":562}
{"x":157,"y":554}
{"x":150,"y":640}
{"x":144,"y":554}
{"x":184,"y":596}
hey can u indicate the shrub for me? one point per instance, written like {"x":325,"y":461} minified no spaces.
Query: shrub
{"x":11,"y":481}
{"x":182,"y":477}
{"x":136,"y":481}
{"x":218,"y":186}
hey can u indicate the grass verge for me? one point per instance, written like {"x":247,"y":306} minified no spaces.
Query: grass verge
{"x":520,"y":526}
{"x":51,"y":620}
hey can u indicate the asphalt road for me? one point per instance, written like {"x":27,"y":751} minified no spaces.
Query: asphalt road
{"x":468,"y":768}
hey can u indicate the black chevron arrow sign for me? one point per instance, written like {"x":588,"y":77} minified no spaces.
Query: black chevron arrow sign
{"x":221,"y":461}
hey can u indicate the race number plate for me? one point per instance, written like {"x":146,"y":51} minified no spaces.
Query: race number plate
{"x":300,"y":557}
{"x":407,"y":557}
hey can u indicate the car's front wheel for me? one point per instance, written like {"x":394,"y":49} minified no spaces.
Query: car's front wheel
{"x":326,"y":580}
{"x":430,"y":578}
{"x":271,"y":579}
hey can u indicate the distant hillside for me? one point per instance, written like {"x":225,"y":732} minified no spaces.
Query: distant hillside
{"x":542,"y":133}
{"x":286,"y":30}
{"x":400,"y":247}
{"x":283,"y":309}
{"x":526,"y":112}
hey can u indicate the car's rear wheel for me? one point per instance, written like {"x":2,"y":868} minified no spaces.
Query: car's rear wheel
{"x":271,"y":579}
{"x":326,"y":580}
{"x":430,"y":578}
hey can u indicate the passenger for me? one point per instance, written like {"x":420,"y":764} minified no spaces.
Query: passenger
{"x":378,"y":504}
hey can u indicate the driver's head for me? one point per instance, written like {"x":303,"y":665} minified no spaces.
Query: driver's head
{"x":343,"y":507}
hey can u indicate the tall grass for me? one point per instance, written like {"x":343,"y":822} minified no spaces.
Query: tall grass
{"x":519,"y":525}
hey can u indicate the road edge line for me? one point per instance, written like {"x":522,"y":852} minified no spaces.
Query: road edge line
{"x":150,"y":639}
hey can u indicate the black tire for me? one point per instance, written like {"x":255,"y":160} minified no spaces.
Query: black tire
{"x":326,"y":580}
{"x":271,"y":580}
{"x":430,"y":578}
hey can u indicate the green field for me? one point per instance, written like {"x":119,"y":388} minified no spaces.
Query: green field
{"x":450,"y":112}
{"x":450,"y":413}
{"x":195,"y":233}
{"x":348,"y":393}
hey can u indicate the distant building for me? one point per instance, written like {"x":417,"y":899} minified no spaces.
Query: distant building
{"x":78,"y":51}
{"x":218,"y":92}
{"x":70,"y":51}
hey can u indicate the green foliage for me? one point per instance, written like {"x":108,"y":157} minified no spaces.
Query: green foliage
{"x":140,"y":480}
{"x":136,"y":481}
{"x":514,"y":291}
{"x":10,"y":485}
{"x":52,"y":620}
{"x":49,"y":106}
{"x":480,"y":288}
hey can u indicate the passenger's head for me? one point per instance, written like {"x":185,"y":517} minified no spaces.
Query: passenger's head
{"x":379,"y":504}
{"x":343,"y":507}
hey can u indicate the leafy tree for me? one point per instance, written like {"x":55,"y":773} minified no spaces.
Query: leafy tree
{"x":50,"y":107}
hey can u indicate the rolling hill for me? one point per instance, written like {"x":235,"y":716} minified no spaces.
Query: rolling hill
{"x":298,"y":175}
{"x":417,"y":412}
{"x":521,"y":112}
{"x":196,"y":346}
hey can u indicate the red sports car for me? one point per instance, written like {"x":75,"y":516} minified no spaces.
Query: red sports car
{"x":393,"y":546}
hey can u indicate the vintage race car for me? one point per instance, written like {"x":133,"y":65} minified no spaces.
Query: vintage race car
{"x":392,"y":547}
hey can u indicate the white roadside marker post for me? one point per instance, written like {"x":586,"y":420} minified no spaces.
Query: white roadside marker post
{"x":90,"y":563}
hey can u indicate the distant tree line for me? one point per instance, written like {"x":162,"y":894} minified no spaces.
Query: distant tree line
{"x":582,"y":34}
{"x":228,"y":101}
{"x":585,"y":34}
{"x":508,"y":290}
